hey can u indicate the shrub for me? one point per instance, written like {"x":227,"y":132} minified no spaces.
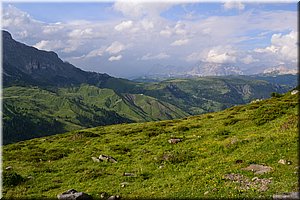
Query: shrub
{"x":11,"y":178}
{"x":276,"y":95}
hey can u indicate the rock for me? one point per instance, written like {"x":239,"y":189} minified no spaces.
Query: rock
{"x":205,"y":193}
{"x":289,"y":162}
{"x":258,"y":169}
{"x":290,"y":195}
{"x":107,"y":158}
{"x":124,"y":184}
{"x":95,"y":159}
{"x":74,"y":195}
{"x":174,"y":140}
{"x":282,"y":161}
{"x":114,"y":197}
{"x":103,"y":195}
{"x":9,"y":168}
{"x":294,"y":92}
{"x":128,"y":174}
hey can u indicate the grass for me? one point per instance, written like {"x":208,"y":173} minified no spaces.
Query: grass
{"x":259,"y":133}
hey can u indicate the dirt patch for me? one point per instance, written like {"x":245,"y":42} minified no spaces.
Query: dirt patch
{"x":244,"y":183}
{"x":258,"y":169}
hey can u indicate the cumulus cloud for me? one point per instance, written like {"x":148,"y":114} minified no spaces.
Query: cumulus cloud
{"x":179,"y":42}
{"x":155,"y":57}
{"x":283,"y":46}
{"x":115,"y":48}
{"x":49,"y":45}
{"x":248,"y":59}
{"x":221,"y":54}
{"x":124,"y":25}
{"x":115,"y":58}
{"x":233,"y":5}
{"x":86,"y":33}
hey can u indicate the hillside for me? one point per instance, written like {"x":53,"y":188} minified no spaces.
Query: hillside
{"x":35,"y":112}
{"x":209,"y":162}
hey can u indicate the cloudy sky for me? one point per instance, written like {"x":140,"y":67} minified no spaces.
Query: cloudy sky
{"x":126,"y":39}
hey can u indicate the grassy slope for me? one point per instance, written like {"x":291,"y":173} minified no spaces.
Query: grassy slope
{"x":261,"y":133}
{"x":29,"y":111}
{"x":211,"y":94}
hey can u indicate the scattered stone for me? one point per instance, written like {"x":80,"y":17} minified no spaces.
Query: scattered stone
{"x":290,"y":195}
{"x":161,"y":166}
{"x":282,"y":161}
{"x":205,"y":193}
{"x":238,"y":161}
{"x":128,"y":174}
{"x":174,"y":140}
{"x":103,"y":195}
{"x":74,"y":195}
{"x":95,"y":159}
{"x":289,"y":162}
{"x":124,"y":184}
{"x":256,"y":100}
{"x":294,"y":92}
{"x":9,"y":168}
{"x":114,"y":197}
{"x":258,"y":169}
{"x":107,"y":159}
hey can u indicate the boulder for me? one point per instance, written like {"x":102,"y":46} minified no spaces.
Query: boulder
{"x":114,"y":197}
{"x":107,"y":158}
{"x":174,"y":140}
{"x":74,"y":195}
{"x":128,"y":174}
{"x":290,"y":195}
{"x":282,"y":161}
{"x":95,"y":159}
{"x":294,"y":92}
{"x":124,"y":184}
{"x":258,"y":169}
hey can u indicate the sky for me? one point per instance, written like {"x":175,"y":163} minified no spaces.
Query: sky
{"x":129,"y":38}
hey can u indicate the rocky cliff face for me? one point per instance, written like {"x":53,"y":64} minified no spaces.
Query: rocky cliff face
{"x":27,"y":65}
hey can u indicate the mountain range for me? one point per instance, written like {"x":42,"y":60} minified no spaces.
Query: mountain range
{"x":43,"y":95}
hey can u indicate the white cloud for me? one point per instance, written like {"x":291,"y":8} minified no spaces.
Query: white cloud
{"x":124,"y":25}
{"x":249,"y":59}
{"x":221,"y":54}
{"x":233,"y":5}
{"x":179,"y":42}
{"x":167,"y":32}
{"x":115,"y":48}
{"x":157,"y":57}
{"x":147,"y":24}
{"x":95,"y":53}
{"x":86,"y":33}
{"x":115,"y":58}
{"x":49,"y":45}
{"x":282,"y":46}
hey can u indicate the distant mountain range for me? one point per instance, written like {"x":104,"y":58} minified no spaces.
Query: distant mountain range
{"x":211,"y":69}
{"x":43,"y":95}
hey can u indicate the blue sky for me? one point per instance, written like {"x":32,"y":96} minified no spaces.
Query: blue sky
{"x":129,"y":38}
